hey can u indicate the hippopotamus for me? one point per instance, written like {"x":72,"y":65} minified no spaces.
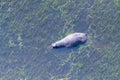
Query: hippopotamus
{"x":71,"y":40}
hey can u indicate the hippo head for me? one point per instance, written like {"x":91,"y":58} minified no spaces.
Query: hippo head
{"x":54,"y":45}
{"x":57,"y":45}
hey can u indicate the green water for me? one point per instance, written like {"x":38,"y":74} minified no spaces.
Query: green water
{"x":28,"y":27}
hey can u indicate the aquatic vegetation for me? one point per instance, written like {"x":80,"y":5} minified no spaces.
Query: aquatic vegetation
{"x":27,"y":28}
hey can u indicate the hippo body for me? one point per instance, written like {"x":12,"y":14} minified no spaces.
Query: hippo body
{"x":71,"y":40}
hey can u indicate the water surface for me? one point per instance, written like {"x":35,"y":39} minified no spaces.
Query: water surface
{"x":27,"y":28}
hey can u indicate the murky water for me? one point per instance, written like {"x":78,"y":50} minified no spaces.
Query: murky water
{"x":27,"y":28}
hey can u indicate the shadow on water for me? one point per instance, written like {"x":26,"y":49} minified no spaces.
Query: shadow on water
{"x":64,"y":50}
